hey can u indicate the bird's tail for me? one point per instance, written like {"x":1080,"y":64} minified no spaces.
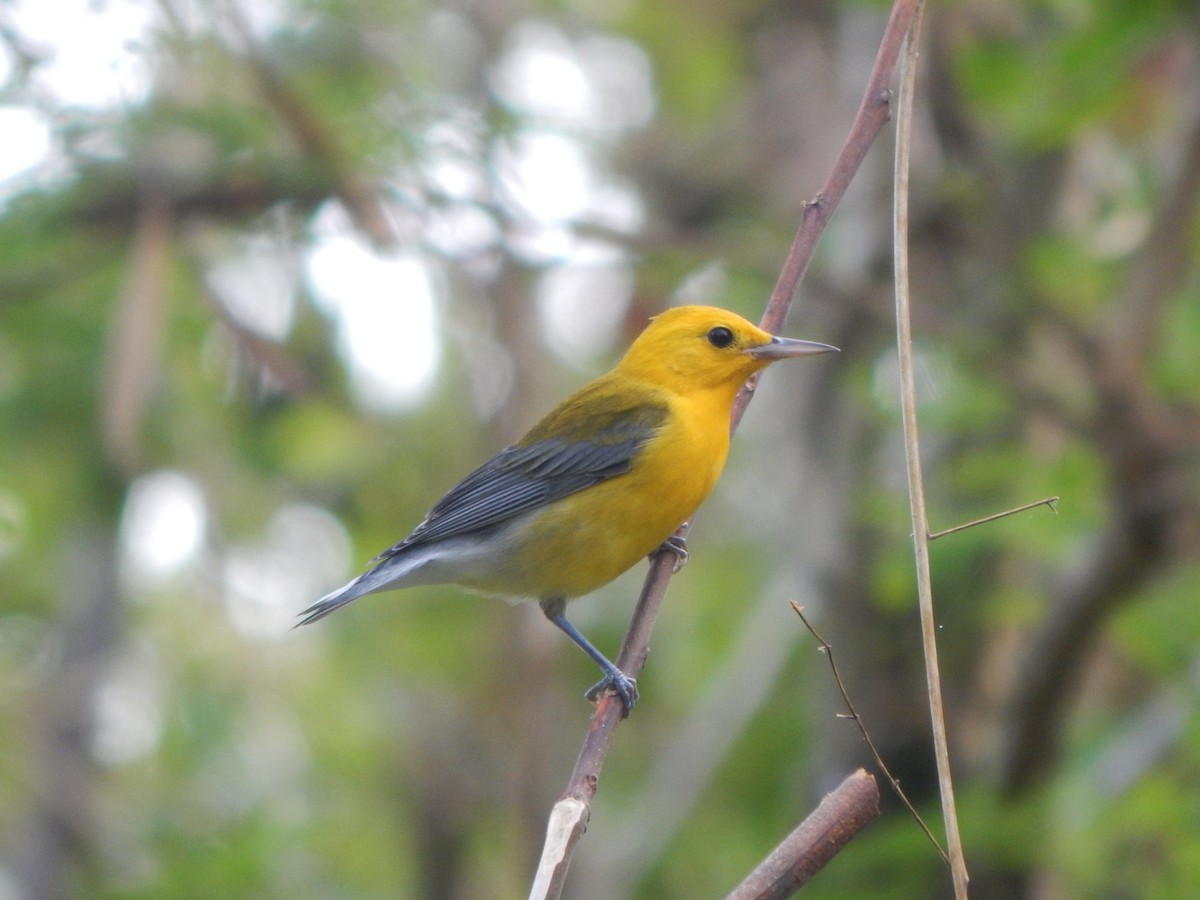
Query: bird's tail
{"x":378,"y":578}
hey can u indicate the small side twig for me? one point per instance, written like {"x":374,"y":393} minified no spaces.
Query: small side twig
{"x":1051,"y":502}
{"x":826,"y":648}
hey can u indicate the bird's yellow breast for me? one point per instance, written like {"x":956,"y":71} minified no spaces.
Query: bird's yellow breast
{"x":583,"y":541}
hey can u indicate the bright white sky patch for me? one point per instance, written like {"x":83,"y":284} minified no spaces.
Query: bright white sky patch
{"x":96,"y":49}
{"x":546,"y":175}
{"x":549,"y":171}
{"x":25,"y":142}
{"x":581,"y":307}
{"x":384,"y":309}
{"x":254,"y":282}
{"x":540,"y":76}
{"x":163,"y":523}
{"x":603,"y":83}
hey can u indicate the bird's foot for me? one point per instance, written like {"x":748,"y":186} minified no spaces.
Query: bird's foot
{"x":676,"y":545}
{"x":619,"y":683}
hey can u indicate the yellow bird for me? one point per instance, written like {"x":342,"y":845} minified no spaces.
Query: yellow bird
{"x":599,"y":483}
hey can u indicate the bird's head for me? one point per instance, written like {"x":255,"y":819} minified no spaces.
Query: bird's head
{"x":703,"y":347}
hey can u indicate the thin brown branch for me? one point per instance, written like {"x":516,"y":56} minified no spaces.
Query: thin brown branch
{"x":815,"y":841}
{"x":912,"y":452}
{"x":634,"y":649}
{"x":569,"y":816}
{"x":873,"y":113}
{"x":1051,"y":502}
{"x":825,"y":647}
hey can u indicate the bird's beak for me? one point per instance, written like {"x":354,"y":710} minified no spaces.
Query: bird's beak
{"x":786,"y":348}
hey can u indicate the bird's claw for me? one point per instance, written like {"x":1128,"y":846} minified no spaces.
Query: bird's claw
{"x":618,"y":683}
{"x":676,"y":545}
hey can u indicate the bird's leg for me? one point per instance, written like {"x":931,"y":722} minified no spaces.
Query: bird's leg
{"x":614,"y":679}
{"x":676,"y":544}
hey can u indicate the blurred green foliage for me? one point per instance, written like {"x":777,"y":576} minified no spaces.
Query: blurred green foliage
{"x":165,"y":735}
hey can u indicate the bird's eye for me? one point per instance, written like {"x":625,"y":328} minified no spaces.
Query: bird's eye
{"x":720,"y":337}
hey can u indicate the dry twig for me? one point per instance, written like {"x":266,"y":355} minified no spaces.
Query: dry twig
{"x":852,"y":713}
{"x":916,"y":487}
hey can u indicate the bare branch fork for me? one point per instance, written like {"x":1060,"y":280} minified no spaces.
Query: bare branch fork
{"x":568,"y":819}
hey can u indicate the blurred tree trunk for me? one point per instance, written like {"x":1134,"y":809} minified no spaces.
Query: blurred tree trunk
{"x":62,"y":844}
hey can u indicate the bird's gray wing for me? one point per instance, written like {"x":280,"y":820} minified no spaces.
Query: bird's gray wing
{"x":549,"y":464}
